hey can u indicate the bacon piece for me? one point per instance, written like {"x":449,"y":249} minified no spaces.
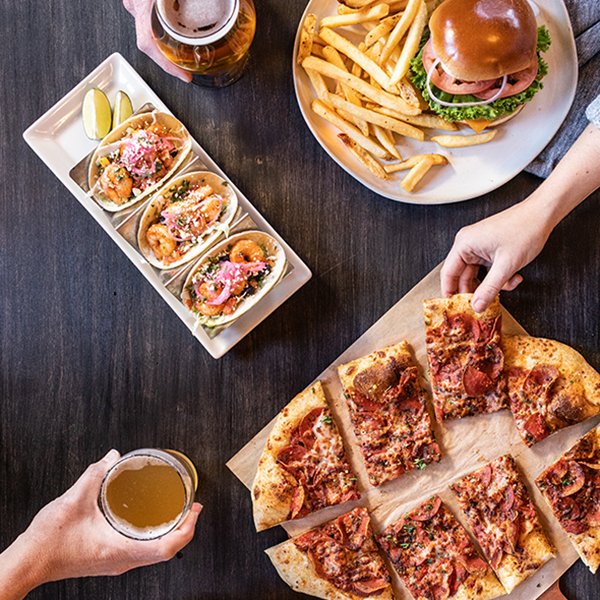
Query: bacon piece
{"x":297,"y":502}
{"x":365,"y":404}
{"x":485,"y":475}
{"x":355,"y":526}
{"x":475,"y":382}
{"x":508,"y":501}
{"x":536,"y":427}
{"x":427,"y":511}
{"x":575,"y":479}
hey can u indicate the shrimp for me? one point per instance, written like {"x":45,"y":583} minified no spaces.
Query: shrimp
{"x":158,"y":129}
{"x":161,"y":242}
{"x":116,"y":183}
{"x":212,"y":209}
{"x":205,"y":292}
{"x":246,"y":251}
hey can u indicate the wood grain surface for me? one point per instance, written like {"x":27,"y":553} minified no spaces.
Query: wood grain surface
{"x":90,"y":356}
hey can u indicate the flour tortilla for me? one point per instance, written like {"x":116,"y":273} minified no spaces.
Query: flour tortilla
{"x":138,"y":122}
{"x":210,"y":236}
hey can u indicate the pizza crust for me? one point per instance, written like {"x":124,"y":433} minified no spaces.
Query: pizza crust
{"x":434,"y":308}
{"x":296,"y":569}
{"x":512,"y":570}
{"x":526,"y":352}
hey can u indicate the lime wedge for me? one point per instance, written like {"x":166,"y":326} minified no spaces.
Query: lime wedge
{"x":123,"y":109}
{"x":96,"y":114}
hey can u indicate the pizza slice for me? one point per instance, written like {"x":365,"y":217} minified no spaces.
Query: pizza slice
{"x":504,"y":521}
{"x":389,"y":416}
{"x":435,"y":557}
{"x":303,"y":467}
{"x":572,"y":488}
{"x":550,"y":386}
{"x":338,"y":560}
{"x":465,"y":357}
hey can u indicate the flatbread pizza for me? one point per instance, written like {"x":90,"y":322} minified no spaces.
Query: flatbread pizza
{"x":501,"y":515}
{"x":571,"y":487}
{"x":435,"y":557}
{"x":386,"y":401}
{"x":550,"y":385}
{"x":303,"y":467}
{"x":338,"y":561}
{"x":465,"y":358}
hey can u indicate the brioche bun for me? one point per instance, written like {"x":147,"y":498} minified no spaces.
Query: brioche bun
{"x":484,"y":39}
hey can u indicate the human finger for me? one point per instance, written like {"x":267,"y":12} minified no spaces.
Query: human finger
{"x":452,"y":268}
{"x":512,"y":283}
{"x":490,"y":287}
{"x":467,"y":281}
{"x":91,"y":479}
{"x":146,"y":43}
{"x":183,"y":535}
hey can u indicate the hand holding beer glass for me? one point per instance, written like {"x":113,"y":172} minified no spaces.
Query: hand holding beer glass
{"x":70,"y":537}
{"x":204,"y":41}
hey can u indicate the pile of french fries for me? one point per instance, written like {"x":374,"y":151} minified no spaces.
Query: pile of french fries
{"x":370,"y":100}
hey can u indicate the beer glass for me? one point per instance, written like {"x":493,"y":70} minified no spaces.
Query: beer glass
{"x":209,"y":38}
{"x":148,"y":492}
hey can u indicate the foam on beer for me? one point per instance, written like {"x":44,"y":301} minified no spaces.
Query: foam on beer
{"x":120,"y":497}
{"x":196,"y":18}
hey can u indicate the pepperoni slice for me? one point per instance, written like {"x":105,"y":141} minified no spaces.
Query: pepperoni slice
{"x":290,"y":457}
{"x":428,"y":510}
{"x":476,"y":565}
{"x":574,"y":481}
{"x":508,"y":501}
{"x":297,"y":502}
{"x":370,"y":587}
{"x":569,"y":510}
{"x":305,"y":428}
{"x":536,"y":427}
{"x":475,"y":382}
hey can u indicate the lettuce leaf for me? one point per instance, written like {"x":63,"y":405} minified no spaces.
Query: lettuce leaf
{"x":494,"y":110}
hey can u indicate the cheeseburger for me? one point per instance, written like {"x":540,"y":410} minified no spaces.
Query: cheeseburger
{"x":480,"y":60}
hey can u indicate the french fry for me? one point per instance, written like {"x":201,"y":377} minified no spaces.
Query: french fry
{"x":386,"y":139}
{"x":408,"y":16}
{"x":416,"y":174}
{"x":460,"y":141}
{"x":379,"y":96}
{"x":382,"y":29}
{"x":378,"y":119}
{"x":360,"y":58}
{"x":307,"y":36}
{"x":364,"y":157}
{"x":350,"y":130}
{"x":317,"y":50}
{"x":372,"y":13}
{"x":411,"y":44}
{"x":423,"y":120}
{"x":319,"y":85}
{"x":434,"y":159}
{"x":333,"y":56}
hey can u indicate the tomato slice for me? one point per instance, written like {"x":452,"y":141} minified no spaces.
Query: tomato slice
{"x":448,"y":83}
{"x":517,"y":82}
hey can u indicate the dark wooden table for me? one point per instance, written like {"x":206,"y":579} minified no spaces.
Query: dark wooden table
{"x":92,"y":358}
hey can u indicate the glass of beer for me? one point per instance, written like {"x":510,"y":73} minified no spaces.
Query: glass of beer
{"x":209,"y":38}
{"x":148,"y":492}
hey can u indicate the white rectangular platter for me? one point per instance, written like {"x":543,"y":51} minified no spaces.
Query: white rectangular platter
{"x":57,"y":137}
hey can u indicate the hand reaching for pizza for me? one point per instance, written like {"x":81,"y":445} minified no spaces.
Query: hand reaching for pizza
{"x":71,"y":538}
{"x":508,"y":241}
{"x":142,"y":13}
{"x":504,"y":243}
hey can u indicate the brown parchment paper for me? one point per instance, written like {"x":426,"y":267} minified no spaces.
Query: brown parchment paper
{"x":466,"y":445}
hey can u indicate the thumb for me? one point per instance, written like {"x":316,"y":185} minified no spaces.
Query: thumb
{"x":491,"y":285}
{"x":91,"y":479}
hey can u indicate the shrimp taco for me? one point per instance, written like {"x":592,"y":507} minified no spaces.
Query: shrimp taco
{"x":134,"y":159}
{"x":233,"y":276}
{"x":185,"y":218}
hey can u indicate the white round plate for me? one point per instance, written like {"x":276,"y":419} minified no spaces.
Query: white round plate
{"x":476,"y":170}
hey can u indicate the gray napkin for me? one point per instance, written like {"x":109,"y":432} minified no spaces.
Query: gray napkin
{"x":585,"y":19}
